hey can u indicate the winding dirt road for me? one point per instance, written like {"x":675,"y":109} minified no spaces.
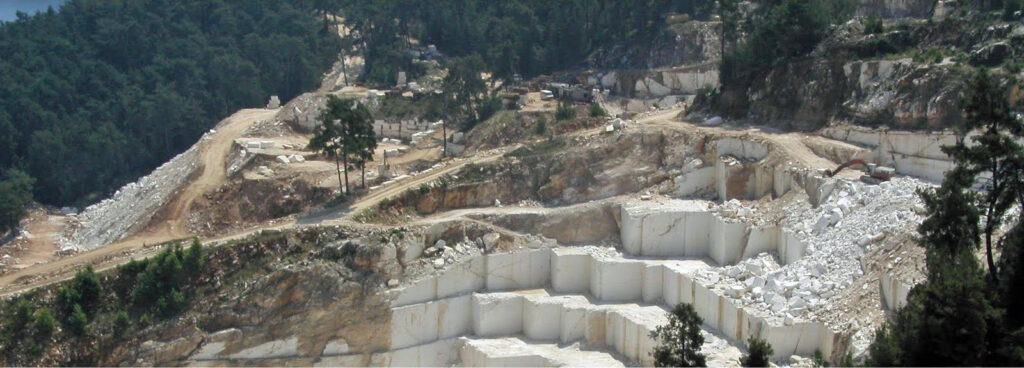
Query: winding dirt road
{"x":215,"y":152}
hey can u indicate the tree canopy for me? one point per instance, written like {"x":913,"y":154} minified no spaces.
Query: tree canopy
{"x":679,"y":341}
{"x":101,"y":92}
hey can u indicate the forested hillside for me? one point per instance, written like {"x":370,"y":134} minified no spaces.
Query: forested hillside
{"x":526,"y":37}
{"x":102,"y":91}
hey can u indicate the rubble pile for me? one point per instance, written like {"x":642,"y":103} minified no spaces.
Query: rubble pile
{"x":855,"y":218}
{"x":132,"y":206}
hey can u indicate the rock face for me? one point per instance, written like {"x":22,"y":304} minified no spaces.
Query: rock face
{"x":690,"y":42}
{"x":991,"y":55}
{"x":896,"y":8}
{"x":898,"y":93}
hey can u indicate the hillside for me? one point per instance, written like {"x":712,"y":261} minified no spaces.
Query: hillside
{"x":100,"y":92}
{"x":726,"y":183}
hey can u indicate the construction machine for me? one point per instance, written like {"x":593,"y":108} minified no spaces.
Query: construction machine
{"x":876,"y":174}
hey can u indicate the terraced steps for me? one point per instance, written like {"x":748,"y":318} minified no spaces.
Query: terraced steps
{"x":602,"y":299}
{"x":515,"y":352}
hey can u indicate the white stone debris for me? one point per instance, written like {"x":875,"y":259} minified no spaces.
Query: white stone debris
{"x":130,"y":208}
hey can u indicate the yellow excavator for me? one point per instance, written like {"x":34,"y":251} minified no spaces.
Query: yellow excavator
{"x":876,"y":174}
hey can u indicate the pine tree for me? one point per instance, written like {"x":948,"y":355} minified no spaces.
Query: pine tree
{"x":679,"y":341}
{"x":996,"y":157}
{"x":344,"y":132}
{"x":760,"y":353}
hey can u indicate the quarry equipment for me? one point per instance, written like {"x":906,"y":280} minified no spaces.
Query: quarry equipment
{"x":876,"y":174}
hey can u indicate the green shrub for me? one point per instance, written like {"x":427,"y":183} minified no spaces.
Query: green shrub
{"x":1011,"y":7}
{"x":487,"y":107}
{"x":595,"y":110}
{"x":122,"y":321}
{"x":760,"y":353}
{"x":819,"y":359}
{"x":565,"y":111}
{"x":145,"y":319}
{"x":873,"y":24}
{"x":193,"y":259}
{"x":542,"y":126}
{"x":77,"y":320}
{"x":83,"y":291}
{"x":44,"y":321}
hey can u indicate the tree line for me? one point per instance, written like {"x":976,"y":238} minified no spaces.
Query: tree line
{"x":102,"y":91}
{"x":525,"y":37}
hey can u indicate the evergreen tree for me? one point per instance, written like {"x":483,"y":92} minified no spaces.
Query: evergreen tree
{"x":679,"y":341}
{"x":760,"y":353}
{"x":463,"y":88}
{"x":44,"y":322}
{"x":345,"y":132}
{"x":15,"y":194}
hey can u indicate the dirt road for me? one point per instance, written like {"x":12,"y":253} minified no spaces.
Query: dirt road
{"x":215,"y":152}
{"x":169,"y":226}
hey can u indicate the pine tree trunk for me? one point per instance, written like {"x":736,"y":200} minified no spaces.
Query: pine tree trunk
{"x":362,"y":172}
{"x":444,"y":139}
{"x":338,"y":165}
{"x":344,"y":161}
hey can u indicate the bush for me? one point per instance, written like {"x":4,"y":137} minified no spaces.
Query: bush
{"x":760,"y":353}
{"x":819,"y":359}
{"x":77,"y":320}
{"x":44,"y":321}
{"x":595,"y":110}
{"x":542,"y":126}
{"x":1010,"y":9}
{"x":83,"y":291}
{"x":565,"y":111}
{"x":193,"y":260}
{"x":121,"y":322}
{"x":487,"y":107}
{"x":159,"y":288}
{"x":679,"y":341}
{"x":873,"y":24}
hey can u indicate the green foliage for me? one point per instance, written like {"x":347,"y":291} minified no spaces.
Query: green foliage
{"x":145,"y":319}
{"x":819,"y":359}
{"x":193,"y":260}
{"x":101,"y":92}
{"x":159,"y":288}
{"x":595,"y":110}
{"x":997,"y":151}
{"x":345,"y":133}
{"x":958,"y":316}
{"x":1011,"y":7}
{"x":525,"y":37}
{"x":44,"y":322}
{"x":83,"y":291}
{"x":565,"y":111}
{"x":931,"y":54}
{"x":542,"y":126}
{"x":884,"y":351}
{"x":679,"y":341}
{"x":121,"y":321}
{"x":488,"y":106}
{"x":463,"y":88}
{"x":778,"y":32}
{"x":873,"y":24}
{"x":760,"y":353}
{"x":22,"y":316}
{"x":77,"y":320}
{"x":15,"y":194}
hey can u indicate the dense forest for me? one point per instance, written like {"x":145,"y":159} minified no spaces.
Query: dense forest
{"x":525,"y":37}
{"x":102,"y":91}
